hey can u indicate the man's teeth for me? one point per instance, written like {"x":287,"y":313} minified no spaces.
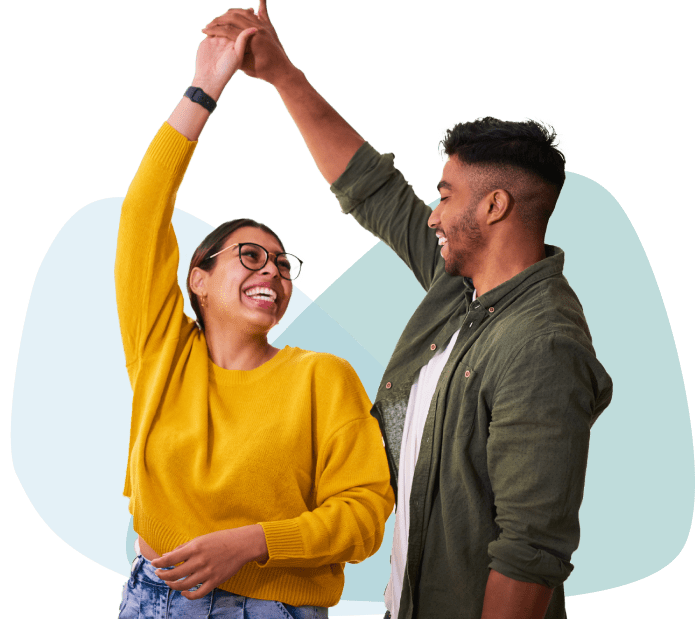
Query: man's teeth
{"x":442,"y":240}
{"x":261,"y":293}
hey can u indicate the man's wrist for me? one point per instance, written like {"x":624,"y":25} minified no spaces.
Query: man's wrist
{"x":288,"y":80}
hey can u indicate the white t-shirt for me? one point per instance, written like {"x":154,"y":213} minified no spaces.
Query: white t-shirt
{"x":419,"y":401}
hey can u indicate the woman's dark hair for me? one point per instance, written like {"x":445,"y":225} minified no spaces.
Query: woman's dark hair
{"x":527,"y":145}
{"x":213,"y":243}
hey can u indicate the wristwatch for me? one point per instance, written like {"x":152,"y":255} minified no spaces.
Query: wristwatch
{"x":199,"y":96}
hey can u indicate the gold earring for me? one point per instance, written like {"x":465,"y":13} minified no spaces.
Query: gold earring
{"x":202,"y":301}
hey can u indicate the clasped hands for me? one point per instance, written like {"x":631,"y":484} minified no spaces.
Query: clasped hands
{"x":211,"y":559}
{"x":264,"y":56}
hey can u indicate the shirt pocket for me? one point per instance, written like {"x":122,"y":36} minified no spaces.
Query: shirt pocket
{"x":462,"y":400}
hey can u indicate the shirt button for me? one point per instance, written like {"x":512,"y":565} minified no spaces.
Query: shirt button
{"x":491,"y":309}
{"x":388,"y":385}
{"x":467,"y":373}
{"x":433,"y":346}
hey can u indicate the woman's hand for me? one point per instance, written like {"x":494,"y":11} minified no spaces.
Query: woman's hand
{"x":217,"y":60}
{"x":211,"y":559}
{"x":266,"y":58}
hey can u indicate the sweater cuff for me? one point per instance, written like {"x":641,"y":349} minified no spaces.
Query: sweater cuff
{"x":171,"y":149}
{"x":283,"y":539}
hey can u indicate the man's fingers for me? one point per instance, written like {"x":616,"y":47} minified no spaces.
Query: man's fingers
{"x":228,"y":32}
{"x":262,"y":10}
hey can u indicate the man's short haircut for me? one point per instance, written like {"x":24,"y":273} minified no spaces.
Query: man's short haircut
{"x":527,"y":145}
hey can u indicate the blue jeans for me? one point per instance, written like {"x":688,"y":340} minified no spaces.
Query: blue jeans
{"x":148,"y":597}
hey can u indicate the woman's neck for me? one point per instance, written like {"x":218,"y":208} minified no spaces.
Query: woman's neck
{"x":238,"y":351}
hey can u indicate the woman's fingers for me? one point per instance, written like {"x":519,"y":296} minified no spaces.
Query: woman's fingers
{"x":206,"y":587}
{"x":242,"y":41}
{"x":178,"y":555}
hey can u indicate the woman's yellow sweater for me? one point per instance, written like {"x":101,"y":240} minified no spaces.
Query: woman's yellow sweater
{"x":289,"y":445}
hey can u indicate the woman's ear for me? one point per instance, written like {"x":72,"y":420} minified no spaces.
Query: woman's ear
{"x":198,"y":280}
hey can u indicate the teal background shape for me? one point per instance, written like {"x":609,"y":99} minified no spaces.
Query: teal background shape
{"x":639,"y":491}
{"x":71,"y":406}
{"x":398,"y":71}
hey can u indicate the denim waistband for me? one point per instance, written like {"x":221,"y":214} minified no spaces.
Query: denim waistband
{"x":142,"y":569}
{"x":143,"y":574}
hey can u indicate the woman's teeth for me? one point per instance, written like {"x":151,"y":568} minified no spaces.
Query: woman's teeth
{"x":261,"y":293}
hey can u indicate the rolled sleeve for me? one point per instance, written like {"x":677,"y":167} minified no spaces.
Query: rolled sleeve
{"x":377,"y":195}
{"x":537,"y":457}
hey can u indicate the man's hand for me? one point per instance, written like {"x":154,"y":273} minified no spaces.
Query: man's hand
{"x":330,"y":139}
{"x":211,"y":559}
{"x":266,"y":58}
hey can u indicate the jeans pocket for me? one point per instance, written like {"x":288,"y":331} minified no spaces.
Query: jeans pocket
{"x":130,"y":607}
{"x":302,"y":612}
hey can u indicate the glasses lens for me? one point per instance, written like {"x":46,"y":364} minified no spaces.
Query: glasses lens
{"x":252,"y":256}
{"x":289,"y":266}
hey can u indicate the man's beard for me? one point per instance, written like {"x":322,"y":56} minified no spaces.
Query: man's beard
{"x":469,"y":239}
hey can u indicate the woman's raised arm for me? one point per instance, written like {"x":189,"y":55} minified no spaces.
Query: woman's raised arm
{"x":149,"y":301}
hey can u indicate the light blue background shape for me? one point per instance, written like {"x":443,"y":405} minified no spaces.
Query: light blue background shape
{"x":71,"y":406}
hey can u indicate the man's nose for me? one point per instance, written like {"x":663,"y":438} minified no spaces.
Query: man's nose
{"x":435,"y":219}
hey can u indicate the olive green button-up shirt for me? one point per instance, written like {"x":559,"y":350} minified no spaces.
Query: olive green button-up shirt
{"x":501,"y":469}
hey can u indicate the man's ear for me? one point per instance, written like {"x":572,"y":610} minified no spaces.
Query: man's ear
{"x":198,"y":280}
{"x":500,"y":203}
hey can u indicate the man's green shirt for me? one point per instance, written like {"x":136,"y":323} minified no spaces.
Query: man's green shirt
{"x":501,"y":469}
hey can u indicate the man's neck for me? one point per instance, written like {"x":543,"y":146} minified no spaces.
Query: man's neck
{"x":503,"y":263}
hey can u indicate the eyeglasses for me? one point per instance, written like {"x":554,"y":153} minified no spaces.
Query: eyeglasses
{"x":254,"y":257}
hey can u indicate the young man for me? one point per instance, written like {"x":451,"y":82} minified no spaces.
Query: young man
{"x":487,"y":402}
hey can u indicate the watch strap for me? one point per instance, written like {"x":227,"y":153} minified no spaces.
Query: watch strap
{"x":199,"y":96}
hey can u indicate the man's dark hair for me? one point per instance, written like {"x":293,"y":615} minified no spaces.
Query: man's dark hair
{"x":526,"y":145}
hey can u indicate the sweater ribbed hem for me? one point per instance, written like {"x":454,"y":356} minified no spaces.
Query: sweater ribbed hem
{"x":298,"y":586}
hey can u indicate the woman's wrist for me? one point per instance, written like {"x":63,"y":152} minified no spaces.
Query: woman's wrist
{"x":259,"y":544}
{"x":213,"y":88}
{"x":189,"y":118}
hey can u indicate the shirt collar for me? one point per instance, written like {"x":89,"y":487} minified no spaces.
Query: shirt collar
{"x":551,"y":265}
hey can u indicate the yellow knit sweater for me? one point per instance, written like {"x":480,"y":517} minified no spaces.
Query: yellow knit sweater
{"x":289,"y":445}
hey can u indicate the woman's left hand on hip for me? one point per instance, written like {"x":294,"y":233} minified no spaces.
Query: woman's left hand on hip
{"x":211,"y":559}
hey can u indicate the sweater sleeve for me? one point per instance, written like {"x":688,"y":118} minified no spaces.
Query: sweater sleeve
{"x":353,"y":495}
{"x":149,"y":300}
{"x":382,"y":201}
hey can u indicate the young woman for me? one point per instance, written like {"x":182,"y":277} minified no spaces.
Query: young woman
{"x":254,"y":473}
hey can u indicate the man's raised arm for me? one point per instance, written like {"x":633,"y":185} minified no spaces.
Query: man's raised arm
{"x":329,"y":137}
